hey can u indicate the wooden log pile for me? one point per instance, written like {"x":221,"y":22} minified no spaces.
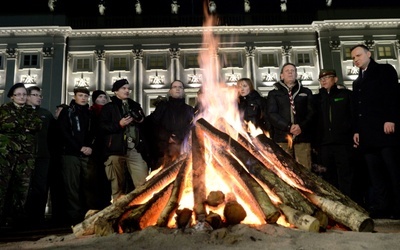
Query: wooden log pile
{"x":258,"y":171}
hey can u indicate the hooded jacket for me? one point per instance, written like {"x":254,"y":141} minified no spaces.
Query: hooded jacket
{"x":279,"y":112}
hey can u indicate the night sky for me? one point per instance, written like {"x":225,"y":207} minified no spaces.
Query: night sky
{"x":187,"y":7}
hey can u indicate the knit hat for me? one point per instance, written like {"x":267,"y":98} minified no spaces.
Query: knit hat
{"x":14,"y":87}
{"x":326,"y":72}
{"x":118,"y":84}
{"x":96,"y":94}
{"x":81,"y":90}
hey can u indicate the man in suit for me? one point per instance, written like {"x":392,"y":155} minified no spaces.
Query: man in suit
{"x":376,"y":116}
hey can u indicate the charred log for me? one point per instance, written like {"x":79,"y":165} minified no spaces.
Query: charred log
{"x":271,"y":213}
{"x":173,"y":202}
{"x":348,"y":216}
{"x":287,"y":194}
{"x":300,"y":220}
{"x":147,"y":214}
{"x":115,"y":210}
{"x":198,"y":173}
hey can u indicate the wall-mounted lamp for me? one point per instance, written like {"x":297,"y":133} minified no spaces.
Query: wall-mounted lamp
{"x":29,"y":79}
{"x":306,"y":78}
{"x":352,"y":72}
{"x":232,"y":78}
{"x":269,"y":78}
{"x":156,"y":81}
{"x":195,"y":80}
{"x":81,"y":82}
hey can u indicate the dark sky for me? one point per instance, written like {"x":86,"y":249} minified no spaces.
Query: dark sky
{"x":189,"y":7}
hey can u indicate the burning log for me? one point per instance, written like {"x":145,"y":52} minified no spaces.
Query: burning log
{"x":344,"y":214}
{"x":173,"y":202}
{"x":300,"y":220}
{"x":234,"y":213}
{"x":198,"y":173}
{"x":318,"y":191}
{"x":111,"y":213}
{"x":287,"y":194}
{"x":270,"y":212}
{"x":145,"y":215}
{"x":305,"y":180}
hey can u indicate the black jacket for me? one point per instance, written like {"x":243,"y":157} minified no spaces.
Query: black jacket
{"x":254,"y":109}
{"x":172,"y":117}
{"x":114,"y":135}
{"x":334,"y":116}
{"x":74,"y":123}
{"x":375,"y":98}
{"x":279,"y":112}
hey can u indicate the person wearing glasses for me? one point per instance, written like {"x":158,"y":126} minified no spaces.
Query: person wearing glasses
{"x":171,"y":122}
{"x":18,"y":125}
{"x":38,"y":188}
{"x":334,"y":131}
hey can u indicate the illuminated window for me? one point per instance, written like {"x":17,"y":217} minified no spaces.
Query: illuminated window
{"x":191,"y":61}
{"x":157,"y":62}
{"x":346,"y":54}
{"x":268,"y":60}
{"x":385,"y":52}
{"x":83,"y":64}
{"x":119,"y":63}
{"x":303,"y":59}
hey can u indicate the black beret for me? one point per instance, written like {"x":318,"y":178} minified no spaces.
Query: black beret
{"x":118,"y":84}
{"x":14,"y":87}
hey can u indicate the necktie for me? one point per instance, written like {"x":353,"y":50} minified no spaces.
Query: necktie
{"x":291,"y":101}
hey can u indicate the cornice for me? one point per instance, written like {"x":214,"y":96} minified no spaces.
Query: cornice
{"x":35,"y":31}
{"x":192,"y":31}
{"x":198,"y":31}
{"x":356,"y":24}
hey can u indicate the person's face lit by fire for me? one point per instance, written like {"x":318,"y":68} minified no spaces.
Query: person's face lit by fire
{"x":177,"y":90}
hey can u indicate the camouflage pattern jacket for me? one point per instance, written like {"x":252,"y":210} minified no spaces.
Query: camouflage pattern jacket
{"x":18,"y":126}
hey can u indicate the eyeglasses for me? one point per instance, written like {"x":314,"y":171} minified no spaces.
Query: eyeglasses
{"x":325,"y":78}
{"x":36,"y":95}
{"x":19,"y":94}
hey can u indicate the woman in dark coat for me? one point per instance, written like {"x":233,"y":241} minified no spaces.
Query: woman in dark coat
{"x":252,"y":105}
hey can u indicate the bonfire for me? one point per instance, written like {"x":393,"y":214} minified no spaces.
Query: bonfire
{"x":230,"y":173}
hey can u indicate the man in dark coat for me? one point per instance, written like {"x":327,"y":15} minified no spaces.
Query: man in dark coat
{"x":290,"y":113}
{"x":125,"y":147}
{"x":171,"y":121}
{"x":74,"y":123}
{"x":334,"y":131}
{"x":376,"y":118}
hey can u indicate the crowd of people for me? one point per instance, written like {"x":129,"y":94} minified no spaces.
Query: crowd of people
{"x":90,"y":156}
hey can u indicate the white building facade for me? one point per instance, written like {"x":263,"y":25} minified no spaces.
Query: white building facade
{"x":58,"y":59}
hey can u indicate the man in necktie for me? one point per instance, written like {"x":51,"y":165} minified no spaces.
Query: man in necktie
{"x":290,"y":112}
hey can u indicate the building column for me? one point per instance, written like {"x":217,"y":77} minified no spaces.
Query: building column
{"x":175,"y":72}
{"x":250,"y":64}
{"x":47,"y":81}
{"x":101,"y":66}
{"x":138,"y":74}
{"x":286,"y":54}
{"x":12,"y":54}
